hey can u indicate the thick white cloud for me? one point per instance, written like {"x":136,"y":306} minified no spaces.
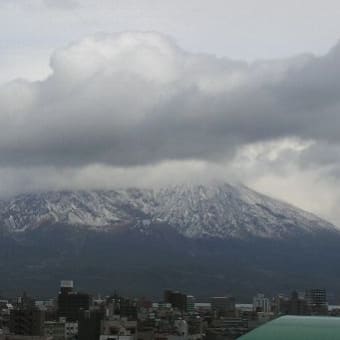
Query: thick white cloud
{"x":131,"y":99}
{"x":135,"y":109}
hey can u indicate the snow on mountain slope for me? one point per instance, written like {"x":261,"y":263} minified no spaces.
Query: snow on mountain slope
{"x":224,"y":211}
{"x":216,"y":210}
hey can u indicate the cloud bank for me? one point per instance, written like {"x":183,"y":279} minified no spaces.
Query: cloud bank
{"x":132,"y":99}
{"x":128,"y":107}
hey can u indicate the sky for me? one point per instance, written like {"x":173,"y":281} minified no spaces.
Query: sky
{"x":110,"y":93}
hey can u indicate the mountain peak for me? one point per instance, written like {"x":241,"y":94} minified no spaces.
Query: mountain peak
{"x":217,"y":210}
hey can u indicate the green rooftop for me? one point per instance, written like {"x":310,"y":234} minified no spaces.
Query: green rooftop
{"x":297,"y":327}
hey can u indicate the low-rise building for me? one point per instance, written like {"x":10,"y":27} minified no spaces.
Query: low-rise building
{"x":55,"y":329}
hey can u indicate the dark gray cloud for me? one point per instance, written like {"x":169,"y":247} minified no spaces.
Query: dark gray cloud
{"x":136,"y":98}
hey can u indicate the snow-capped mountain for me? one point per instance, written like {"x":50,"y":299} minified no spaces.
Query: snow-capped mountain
{"x":195,"y":211}
{"x":202,"y":239}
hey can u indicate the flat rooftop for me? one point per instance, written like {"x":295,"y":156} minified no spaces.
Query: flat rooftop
{"x":297,"y":327}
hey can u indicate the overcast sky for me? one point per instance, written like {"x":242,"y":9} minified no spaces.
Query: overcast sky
{"x":96,"y":94}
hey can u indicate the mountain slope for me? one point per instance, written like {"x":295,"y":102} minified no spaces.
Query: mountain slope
{"x":205,"y":240}
{"x":219,"y":210}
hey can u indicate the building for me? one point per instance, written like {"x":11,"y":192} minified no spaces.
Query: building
{"x":190,"y":305}
{"x":5,"y":310}
{"x":295,"y":305}
{"x":176,"y":299}
{"x":26,"y":321}
{"x":226,"y":328}
{"x":196,"y":325}
{"x":89,"y":324}
{"x":203,"y":308}
{"x":55,"y":329}
{"x":223,"y":305}
{"x":181,"y":327}
{"x":118,"y":328}
{"x":317,"y":301}
{"x":261,"y":304}
{"x":128,"y":308}
{"x":25,"y":337}
{"x":70,"y":303}
{"x":71,"y":330}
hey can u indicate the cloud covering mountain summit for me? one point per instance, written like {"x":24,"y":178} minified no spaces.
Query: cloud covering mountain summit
{"x":135,"y":109}
{"x":132,"y":99}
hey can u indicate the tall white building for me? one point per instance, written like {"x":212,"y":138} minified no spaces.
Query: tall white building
{"x":261,"y":303}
